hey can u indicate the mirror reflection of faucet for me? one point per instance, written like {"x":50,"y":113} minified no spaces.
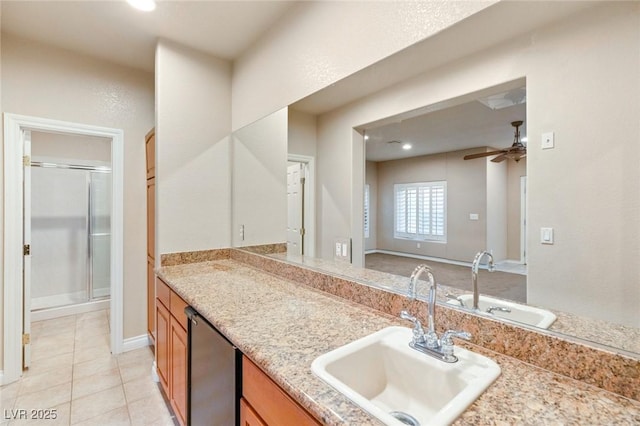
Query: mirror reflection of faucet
{"x":474,"y":274}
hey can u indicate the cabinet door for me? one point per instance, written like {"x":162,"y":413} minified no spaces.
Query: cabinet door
{"x":151,"y":217}
{"x":162,"y":345}
{"x":151,"y":154}
{"x":248,"y":417}
{"x":151,"y":301}
{"x":178,"y":380}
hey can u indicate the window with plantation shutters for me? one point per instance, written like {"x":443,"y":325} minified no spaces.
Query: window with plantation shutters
{"x":420,"y":211}
{"x":367,"y":213}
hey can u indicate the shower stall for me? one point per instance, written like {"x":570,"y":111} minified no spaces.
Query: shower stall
{"x":70,"y":237}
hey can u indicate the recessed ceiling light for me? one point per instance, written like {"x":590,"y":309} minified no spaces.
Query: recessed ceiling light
{"x":406,"y":146}
{"x":144,"y":5}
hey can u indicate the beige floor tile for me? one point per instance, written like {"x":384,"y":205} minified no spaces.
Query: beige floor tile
{"x":133,"y":371}
{"x":89,"y":354}
{"x":151,"y":410}
{"x":97,"y":404}
{"x":10,"y":391}
{"x":93,"y":324}
{"x":46,"y":380}
{"x":94,"y":366}
{"x":46,"y":398}
{"x":117,"y":417}
{"x":57,"y":333}
{"x":140,"y":388}
{"x":55,"y":362}
{"x":88,"y":332}
{"x":55,"y":326}
{"x":91,"y":315}
{"x":92,"y":340}
{"x":95,"y":383}
{"x":142,"y":355}
{"x":49,"y":346}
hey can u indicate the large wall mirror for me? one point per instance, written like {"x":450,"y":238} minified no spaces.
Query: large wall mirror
{"x":585,"y":189}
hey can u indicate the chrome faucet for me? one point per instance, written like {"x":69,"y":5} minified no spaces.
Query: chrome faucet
{"x":431,"y":337}
{"x":474,"y":274}
{"x":428,"y":342}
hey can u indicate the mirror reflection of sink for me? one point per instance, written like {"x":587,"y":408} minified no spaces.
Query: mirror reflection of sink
{"x":383,"y":375}
{"x":525,"y":314}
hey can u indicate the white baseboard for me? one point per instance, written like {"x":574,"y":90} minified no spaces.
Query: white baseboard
{"x":133,"y":343}
{"x":418,"y":256}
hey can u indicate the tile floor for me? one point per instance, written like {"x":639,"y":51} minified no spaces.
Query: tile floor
{"x":74,"y":374}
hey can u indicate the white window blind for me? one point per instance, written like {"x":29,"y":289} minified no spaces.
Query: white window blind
{"x":367,"y":213}
{"x":420,"y":210}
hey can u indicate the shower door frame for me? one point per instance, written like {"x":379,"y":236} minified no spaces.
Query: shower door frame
{"x":14,"y":127}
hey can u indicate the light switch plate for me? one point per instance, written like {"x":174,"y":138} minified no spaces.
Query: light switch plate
{"x":546,"y":235}
{"x":474,"y":216}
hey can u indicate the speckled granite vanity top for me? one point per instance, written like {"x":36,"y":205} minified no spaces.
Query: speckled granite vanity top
{"x":283,"y":326}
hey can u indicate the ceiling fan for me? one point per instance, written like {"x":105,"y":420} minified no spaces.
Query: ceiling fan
{"x":515,"y":151}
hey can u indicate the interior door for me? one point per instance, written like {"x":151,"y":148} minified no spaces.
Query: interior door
{"x":26,"y":281}
{"x":294,"y":209}
{"x":523,"y":219}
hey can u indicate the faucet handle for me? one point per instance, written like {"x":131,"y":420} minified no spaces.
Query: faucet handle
{"x":446,"y":343}
{"x":455,"y":298}
{"x":418,"y":332}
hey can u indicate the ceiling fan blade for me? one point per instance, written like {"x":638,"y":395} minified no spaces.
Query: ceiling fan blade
{"x":499,"y":158}
{"x":483,"y":154}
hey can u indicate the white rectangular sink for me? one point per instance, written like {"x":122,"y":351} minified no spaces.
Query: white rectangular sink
{"x":525,"y":314}
{"x":382,"y":374}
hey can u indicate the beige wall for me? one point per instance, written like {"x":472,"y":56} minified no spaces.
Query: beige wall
{"x":466,"y":193}
{"x":193,"y":123}
{"x":306,"y":51}
{"x":68,"y":146}
{"x":42,"y":81}
{"x":302,"y":133}
{"x":596,"y":129}
{"x":259,"y":202}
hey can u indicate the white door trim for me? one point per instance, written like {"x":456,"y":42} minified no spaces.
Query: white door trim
{"x":13,"y":258}
{"x":309,"y":202}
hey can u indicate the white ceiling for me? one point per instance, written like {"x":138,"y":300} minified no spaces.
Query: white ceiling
{"x":114,"y":31}
{"x":464,"y":126}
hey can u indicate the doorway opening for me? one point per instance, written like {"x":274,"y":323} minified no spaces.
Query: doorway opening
{"x":70,"y":224}
{"x":78,"y":216}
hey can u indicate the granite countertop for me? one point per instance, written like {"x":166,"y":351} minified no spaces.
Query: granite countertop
{"x":283,"y":326}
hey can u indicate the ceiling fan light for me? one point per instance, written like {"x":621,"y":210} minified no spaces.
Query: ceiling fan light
{"x":143,"y":5}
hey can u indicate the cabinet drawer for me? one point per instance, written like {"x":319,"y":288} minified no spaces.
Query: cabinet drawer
{"x":163,"y":293}
{"x":177,"y":309}
{"x":270,"y":402}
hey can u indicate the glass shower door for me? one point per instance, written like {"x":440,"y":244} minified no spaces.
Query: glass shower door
{"x":100,"y":234}
{"x":59,"y":244}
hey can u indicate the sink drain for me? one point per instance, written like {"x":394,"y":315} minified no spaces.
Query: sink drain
{"x":405,"y":418}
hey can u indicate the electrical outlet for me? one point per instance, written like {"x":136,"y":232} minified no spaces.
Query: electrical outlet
{"x":241,"y":232}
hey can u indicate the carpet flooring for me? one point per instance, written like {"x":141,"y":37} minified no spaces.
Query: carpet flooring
{"x":498,"y":284}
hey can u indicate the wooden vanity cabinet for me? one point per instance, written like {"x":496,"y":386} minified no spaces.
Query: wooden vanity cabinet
{"x":171,"y":348}
{"x":264,"y":403}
